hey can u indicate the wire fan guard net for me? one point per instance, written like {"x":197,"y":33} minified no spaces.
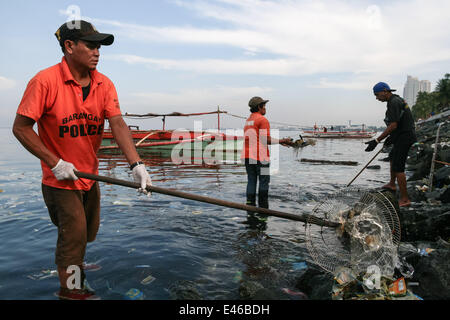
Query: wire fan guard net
{"x":369,"y":232}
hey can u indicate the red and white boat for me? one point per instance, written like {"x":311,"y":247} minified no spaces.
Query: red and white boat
{"x":165,"y":140}
{"x":347,"y":132}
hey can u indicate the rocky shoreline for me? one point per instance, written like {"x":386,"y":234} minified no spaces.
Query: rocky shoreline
{"x":426,"y":224}
{"x":425,"y":243}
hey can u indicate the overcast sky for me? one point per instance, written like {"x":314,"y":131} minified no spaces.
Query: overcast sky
{"x":316,"y":61}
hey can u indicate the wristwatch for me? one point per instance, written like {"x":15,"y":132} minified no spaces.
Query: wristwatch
{"x":132,"y":166}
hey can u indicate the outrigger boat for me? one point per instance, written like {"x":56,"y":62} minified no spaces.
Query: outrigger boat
{"x":348,"y":132}
{"x":165,"y":141}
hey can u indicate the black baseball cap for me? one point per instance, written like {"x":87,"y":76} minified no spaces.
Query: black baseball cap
{"x":256,"y":101}
{"x":82,"y":30}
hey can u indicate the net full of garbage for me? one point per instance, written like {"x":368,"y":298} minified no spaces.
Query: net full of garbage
{"x":368,"y":235}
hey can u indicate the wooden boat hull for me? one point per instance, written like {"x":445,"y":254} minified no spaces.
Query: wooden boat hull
{"x":182,"y":144}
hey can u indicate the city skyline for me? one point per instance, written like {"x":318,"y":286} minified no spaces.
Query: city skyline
{"x":412,"y":87}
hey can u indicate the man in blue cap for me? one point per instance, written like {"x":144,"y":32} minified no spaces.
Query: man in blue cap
{"x":400,"y":132}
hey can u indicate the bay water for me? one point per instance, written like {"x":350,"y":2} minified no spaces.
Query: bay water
{"x":172,"y":248}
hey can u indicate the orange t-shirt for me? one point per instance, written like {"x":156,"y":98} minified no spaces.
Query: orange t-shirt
{"x":68,"y":126}
{"x":256,"y":131}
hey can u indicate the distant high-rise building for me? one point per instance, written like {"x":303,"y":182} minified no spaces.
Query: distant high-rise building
{"x":412,"y":87}
{"x":425,"y":86}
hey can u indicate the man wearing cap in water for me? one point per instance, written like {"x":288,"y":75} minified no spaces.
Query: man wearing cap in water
{"x":400,"y":132}
{"x":255,"y":152}
{"x":70,"y":102}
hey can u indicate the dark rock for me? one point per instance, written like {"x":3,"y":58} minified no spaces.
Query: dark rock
{"x":316,"y":284}
{"x":377,"y":166}
{"x":414,"y":193}
{"x":445,"y":196}
{"x":442,"y":176}
{"x":425,"y":222}
{"x":432,"y":272}
{"x":444,"y":154}
{"x":265,"y":294}
{"x":248,"y":289}
{"x":184,"y":290}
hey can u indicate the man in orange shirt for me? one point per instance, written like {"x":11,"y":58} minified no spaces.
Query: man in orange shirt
{"x":255,"y":152}
{"x":70,"y":102}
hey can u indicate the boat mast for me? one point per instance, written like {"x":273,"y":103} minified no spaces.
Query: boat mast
{"x":218,"y":119}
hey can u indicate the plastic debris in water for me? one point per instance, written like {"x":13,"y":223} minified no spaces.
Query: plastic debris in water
{"x":343,"y":276}
{"x":1,"y":190}
{"x":423,"y":188}
{"x":294,"y":293}
{"x":299,"y":266}
{"x":425,"y":251}
{"x":134,"y":294}
{"x":44,"y":274}
{"x":143,"y":266}
{"x":404,"y":268}
{"x":91,"y":267}
{"x":238,"y":276}
{"x":196,"y":212}
{"x":131,"y":250}
{"x":121,"y":203}
{"x":398,"y":288}
{"x":148,"y":280}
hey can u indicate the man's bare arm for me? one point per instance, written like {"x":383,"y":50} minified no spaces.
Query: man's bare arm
{"x":23,"y":131}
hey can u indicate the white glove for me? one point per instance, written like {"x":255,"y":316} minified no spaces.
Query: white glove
{"x":64,"y":171}
{"x":141,"y":176}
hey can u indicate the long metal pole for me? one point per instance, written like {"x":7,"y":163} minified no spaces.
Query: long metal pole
{"x":302,"y":218}
{"x":430,"y":178}
{"x":365,"y":167}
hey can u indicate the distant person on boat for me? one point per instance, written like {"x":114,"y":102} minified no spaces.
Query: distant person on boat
{"x":255,"y":152}
{"x":70,"y":102}
{"x":400,"y":132}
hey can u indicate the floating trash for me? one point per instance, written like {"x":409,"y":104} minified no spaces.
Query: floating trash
{"x":134,"y":294}
{"x":131,"y":250}
{"x":148,"y":280}
{"x":398,"y":288}
{"x":44,"y":274}
{"x":143,"y":266}
{"x":121,"y":203}
{"x":299,"y":266}
{"x":425,"y":251}
{"x":343,"y":276}
{"x":238,"y":276}
{"x":91,"y":267}
{"x":196,"y":212}
{"x":290,"y":258}
{"x":1,"y":190}
{"x":294,"y":293}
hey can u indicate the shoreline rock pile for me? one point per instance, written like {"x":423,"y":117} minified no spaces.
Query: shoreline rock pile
{"x":424,"y":250}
